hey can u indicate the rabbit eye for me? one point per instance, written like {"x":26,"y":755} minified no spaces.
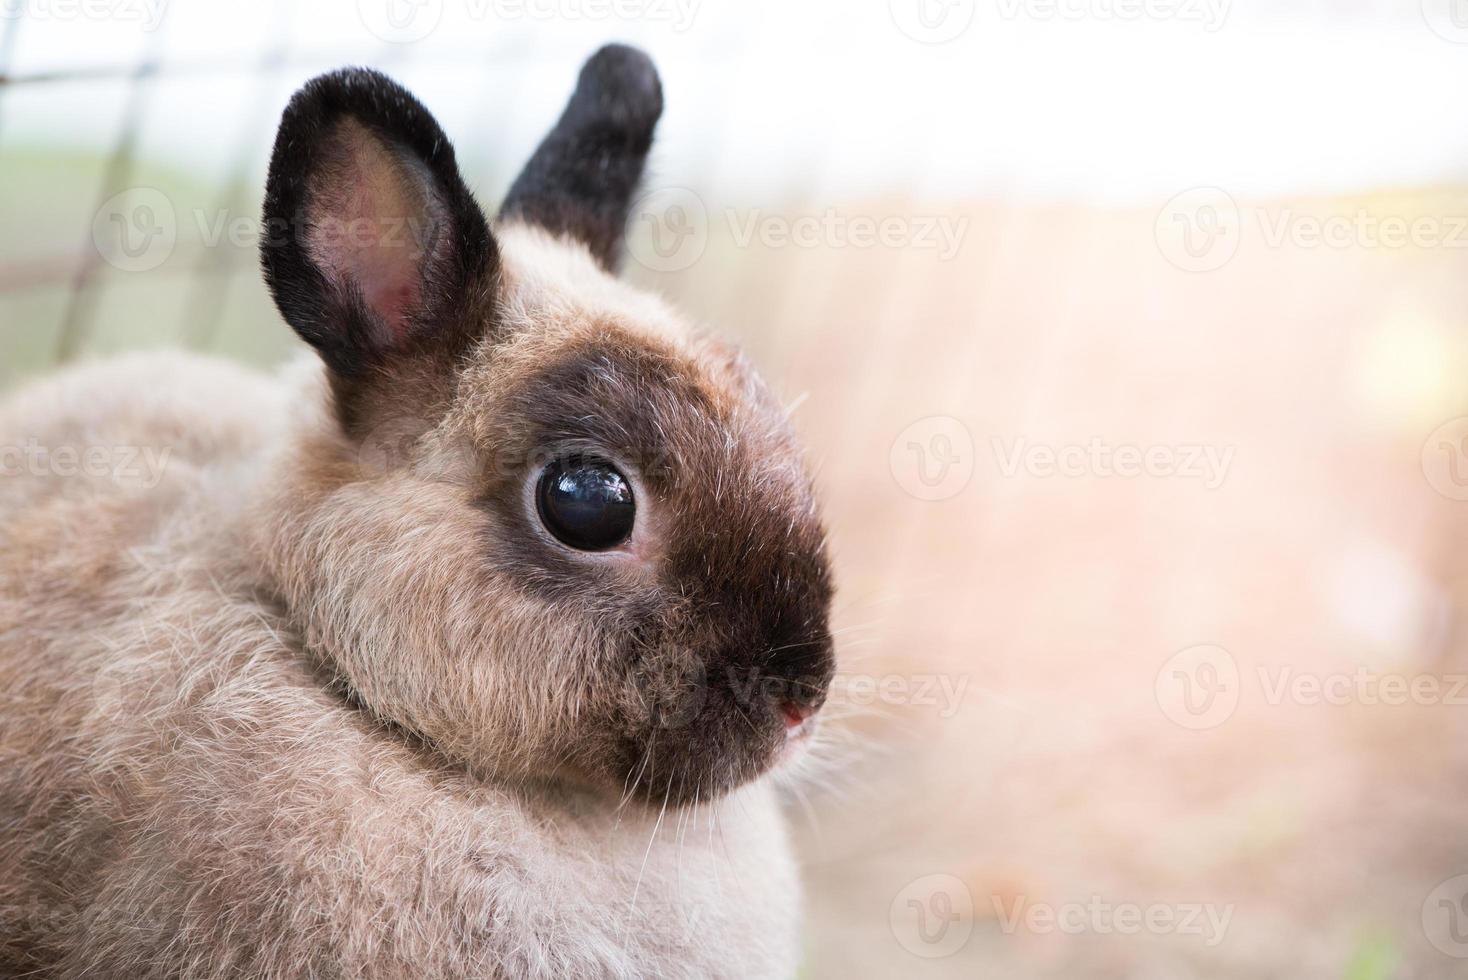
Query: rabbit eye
{"x":585,"y":503}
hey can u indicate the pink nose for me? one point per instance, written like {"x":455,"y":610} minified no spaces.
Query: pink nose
{"x":795,"y":714}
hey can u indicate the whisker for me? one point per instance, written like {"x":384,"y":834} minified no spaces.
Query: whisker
{"x":652,"y":839}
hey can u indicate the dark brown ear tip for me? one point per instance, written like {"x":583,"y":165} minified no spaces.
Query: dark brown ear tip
{"x":581,"y":179}
{"x":328,"y":314}
{"x":620,"y":83}
{"x":348,"y":76}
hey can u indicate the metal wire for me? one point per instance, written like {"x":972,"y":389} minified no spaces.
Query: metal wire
{"x":82,"y":273}
{"x":8,"y":36}
{"x":210,"y":289}
{"x":82,"y":303}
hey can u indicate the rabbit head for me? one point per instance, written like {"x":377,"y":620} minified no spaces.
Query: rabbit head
{"x":543,"y":526}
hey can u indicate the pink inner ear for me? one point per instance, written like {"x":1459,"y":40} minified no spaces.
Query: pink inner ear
{"x":390,"y":286}
{"x":375,"y":224}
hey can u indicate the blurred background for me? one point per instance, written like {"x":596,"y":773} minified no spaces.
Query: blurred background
{"x":1130,"y":342}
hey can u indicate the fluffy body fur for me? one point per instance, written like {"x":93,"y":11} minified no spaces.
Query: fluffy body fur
{"x":318,"y":698}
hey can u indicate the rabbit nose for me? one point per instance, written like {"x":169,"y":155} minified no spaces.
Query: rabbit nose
{"x":795,"y":715}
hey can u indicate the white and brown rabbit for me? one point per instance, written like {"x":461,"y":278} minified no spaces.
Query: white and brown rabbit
{"x":459,"y":651}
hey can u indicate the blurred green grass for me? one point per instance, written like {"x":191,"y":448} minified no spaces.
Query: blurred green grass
{"x":205,"y":294}
{"x":1375,"y":959}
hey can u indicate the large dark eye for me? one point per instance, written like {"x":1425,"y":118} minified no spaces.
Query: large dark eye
{"x":586,"y":503}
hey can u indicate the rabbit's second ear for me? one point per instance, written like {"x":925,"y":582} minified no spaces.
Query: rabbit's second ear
{"x":373,"y":247}
{"x":581,"y":180}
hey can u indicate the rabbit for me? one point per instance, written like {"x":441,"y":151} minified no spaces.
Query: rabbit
{"x":474,"y":643}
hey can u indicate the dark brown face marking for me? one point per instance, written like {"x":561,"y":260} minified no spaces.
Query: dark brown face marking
{"x":729,"y":607}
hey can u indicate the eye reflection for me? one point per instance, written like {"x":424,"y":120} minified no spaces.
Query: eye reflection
{"x":586,"y":503}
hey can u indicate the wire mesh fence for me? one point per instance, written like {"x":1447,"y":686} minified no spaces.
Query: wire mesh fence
{"x":130,"y":212}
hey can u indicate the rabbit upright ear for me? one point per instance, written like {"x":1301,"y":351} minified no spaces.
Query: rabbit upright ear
{"x":581,"y":179}
{"x":373,"y":247}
